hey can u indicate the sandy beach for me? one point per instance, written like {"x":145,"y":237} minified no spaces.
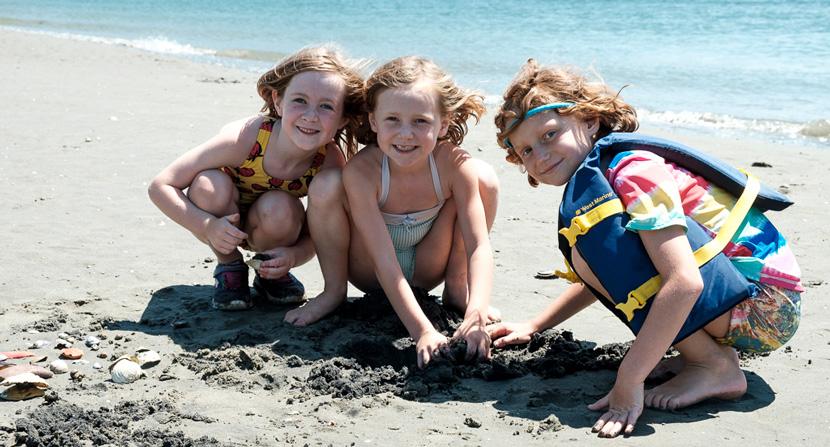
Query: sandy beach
{"x":83,"y":129}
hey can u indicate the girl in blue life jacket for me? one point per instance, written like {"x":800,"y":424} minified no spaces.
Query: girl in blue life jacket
{"x":669,"y":239}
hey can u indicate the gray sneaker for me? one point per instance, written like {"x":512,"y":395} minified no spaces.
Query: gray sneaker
{"x":230,"y":292}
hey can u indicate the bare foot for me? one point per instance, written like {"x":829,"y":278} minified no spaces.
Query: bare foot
{"x":720,"y":378}
{"x":666,"y":367}
{"x":314,"y":309}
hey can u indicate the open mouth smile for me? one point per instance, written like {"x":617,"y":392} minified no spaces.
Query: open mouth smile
{"x":307,"y":131}
{"x":404,"y":148}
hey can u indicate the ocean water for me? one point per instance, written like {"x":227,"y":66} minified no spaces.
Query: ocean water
{"x":759,"y":67}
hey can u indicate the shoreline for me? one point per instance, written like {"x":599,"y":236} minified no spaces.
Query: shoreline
{"x":87,"y":125}
{"x":814,"y":133}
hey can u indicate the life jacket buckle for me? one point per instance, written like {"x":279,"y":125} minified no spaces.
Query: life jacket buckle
{"x":633,"y":303}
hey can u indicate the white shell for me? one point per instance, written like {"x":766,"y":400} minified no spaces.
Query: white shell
{"x":92,"y":340}
{"x":61,"y":344}
{"x":148,"y":358}
{"x":59,"y":367}
{"x":39,"y":344}
{"x":125,"y":370}
{"x":25,"y":378}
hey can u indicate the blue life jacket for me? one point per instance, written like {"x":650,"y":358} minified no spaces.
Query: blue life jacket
{"x":593,"y":219}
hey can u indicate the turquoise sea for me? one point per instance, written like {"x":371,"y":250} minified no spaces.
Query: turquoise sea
{"x":759,"y":67}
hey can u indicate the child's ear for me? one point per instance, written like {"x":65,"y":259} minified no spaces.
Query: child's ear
{"x":593,"y":126}
{"x":445,"y":127}
{"x":275,"y":98}
{"x":372,"y":123}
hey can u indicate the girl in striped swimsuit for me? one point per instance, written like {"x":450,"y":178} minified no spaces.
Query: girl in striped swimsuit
{"x":412,"y":209}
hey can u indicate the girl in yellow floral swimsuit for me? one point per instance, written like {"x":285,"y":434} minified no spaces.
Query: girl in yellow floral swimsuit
{"x":241,"y":188}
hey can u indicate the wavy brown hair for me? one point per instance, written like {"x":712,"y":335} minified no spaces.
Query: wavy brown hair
{"x":455,"y":102}
{"x":537,"y":85}
{"x":325,"y":59}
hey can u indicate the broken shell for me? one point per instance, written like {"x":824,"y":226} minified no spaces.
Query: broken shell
{"x":126,"y":370}
{"x":7,"y":371}
{"x":22,"y":392}
{"x":39,"y":359}
{"x":147,"y":358}
{"x":25,"y":378}
{"x":92,"y":340}
{"x":62,"y":344}
{"x":59,"y":367}
{"x":256,"y":261}
{"x":72,"y":353}
{"x":63,"y":335}
{"x":15,"y":355}
{"x":97,"y":365}
{"x":39,"y":344}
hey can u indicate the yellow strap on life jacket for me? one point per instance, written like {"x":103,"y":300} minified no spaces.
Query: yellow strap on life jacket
{"x":569,"y":276}
{"x":638,"y":297}
{"x":582,"y":224}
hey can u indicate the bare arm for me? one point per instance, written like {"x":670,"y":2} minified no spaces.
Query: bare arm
{"x":574,"y":299}
{"x":227,"y":148}
{"x":672,"y":256}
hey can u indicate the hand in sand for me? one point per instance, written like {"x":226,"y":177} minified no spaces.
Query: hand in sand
{"x":623,"y":406}
{"x":504,"y":334}
{"x":223,"y":235}
{"x":428,"y":346}
{"x":281,"y":260}
{"x":478,"y":341}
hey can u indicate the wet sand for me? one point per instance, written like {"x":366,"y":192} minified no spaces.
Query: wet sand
{"x":84,"y":128}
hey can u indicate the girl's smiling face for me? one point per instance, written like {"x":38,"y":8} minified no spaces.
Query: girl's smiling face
{"x":551,"y":146}
{"x":311,"y":108}
{"x":408,"y":122}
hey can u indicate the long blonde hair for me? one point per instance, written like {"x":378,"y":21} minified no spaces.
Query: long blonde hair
{"x":325,"y":59}
{"x":455,"y":102}
{"x":537,"y":85}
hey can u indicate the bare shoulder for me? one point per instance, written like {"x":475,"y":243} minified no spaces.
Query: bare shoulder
{"x":363,"y":168}
{"x":453,"y":164}
{"x":242,"y":132}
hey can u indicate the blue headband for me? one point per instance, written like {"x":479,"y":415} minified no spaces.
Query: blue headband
{"x":531,"y":112}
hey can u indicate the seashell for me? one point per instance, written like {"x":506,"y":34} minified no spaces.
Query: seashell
{"x":15,"y":355}
{"x":72,"y":353}
{"x":59,"y":367}
{"x":77,"y":375}
{"x":42,"y":358}
{"x":13,"y":370}
{"x":97,"y":365}
{"x":39,"y":344}
{"x":63,"y":335}
{"x":126,"y":370}
{"x":256,"y":261}
{"x":92,"y":340}
{"x":62,"y":344}
{"x":22,"y":392}
{"x":147,"y":358}
{"x":25,"y":378}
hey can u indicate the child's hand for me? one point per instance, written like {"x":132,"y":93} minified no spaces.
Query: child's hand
{"x":429,"y":346}
{"x":281,"y":260}
{"x":623,"y":405}
{"x":223,"y":235}
{"x":478,"y":341}
{"x":504,"y":334}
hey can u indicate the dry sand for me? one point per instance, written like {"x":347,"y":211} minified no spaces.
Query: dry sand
{"x":85,"y":126}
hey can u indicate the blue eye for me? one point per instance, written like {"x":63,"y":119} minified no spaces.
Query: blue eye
{"x":550,"y":134}
{"x":299,"y":100}
{"x":327,"y":106}
{"x":527,"y":151}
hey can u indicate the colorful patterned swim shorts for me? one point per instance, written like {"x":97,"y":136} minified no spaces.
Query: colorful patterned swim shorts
{"x":764,"y":322}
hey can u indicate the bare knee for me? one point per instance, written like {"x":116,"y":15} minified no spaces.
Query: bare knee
{"x":212,"y":191}
{"x":275,"y":218}
{"x":326,"y":189}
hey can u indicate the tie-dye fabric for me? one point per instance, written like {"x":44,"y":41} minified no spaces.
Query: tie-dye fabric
{"x":658,"y":194}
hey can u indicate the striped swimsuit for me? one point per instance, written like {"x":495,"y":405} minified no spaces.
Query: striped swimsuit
{"x":407,"y":230}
